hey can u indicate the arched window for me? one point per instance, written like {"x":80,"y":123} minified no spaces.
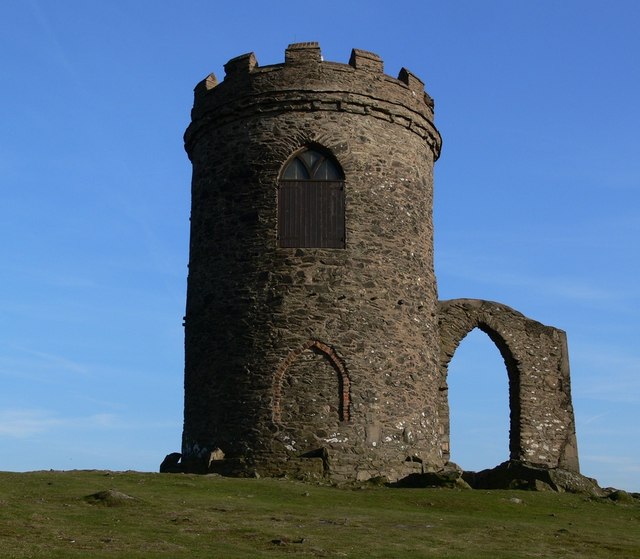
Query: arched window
{"x":311,"y":202}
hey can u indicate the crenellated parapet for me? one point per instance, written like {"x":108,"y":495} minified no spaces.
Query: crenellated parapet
{"x":305,"y":82}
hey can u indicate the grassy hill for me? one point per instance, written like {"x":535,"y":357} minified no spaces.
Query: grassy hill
{"x":128,"y":514}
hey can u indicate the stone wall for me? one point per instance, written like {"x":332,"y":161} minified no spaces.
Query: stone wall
{"x":327,"y":353}
{"x":542,"y":428}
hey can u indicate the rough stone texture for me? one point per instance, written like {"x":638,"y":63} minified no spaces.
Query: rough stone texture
{"x":542,"y":428}
{"x":290,"y":351}
{"x":515,"y":474}
{"x":450,"y":479}
{"x":171,"y":464}
{"x":328,"y":361}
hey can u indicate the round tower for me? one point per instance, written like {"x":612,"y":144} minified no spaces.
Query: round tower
{"x":311,"y":322}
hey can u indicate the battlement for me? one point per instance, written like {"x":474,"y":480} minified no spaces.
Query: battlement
{"x":243,"y":63}
{"x":303,"y":53}
{"x":309,"y":55}
{"x":305,"y":81}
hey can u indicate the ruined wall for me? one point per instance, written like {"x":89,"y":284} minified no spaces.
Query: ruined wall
{"x":542,"y":423}
{"x":329,"y":353}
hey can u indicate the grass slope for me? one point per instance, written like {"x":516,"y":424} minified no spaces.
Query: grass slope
{"x":50,"y":514}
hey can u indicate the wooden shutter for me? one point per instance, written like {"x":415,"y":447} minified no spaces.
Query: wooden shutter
{"x":311,"y":214}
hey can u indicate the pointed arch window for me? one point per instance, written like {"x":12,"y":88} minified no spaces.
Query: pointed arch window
{"x":311,"y":202}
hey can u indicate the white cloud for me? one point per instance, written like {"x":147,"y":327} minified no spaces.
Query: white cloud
{"x":622,"y":464}
{"x":621,"y":389}
{"x":479,"y":270}
{"x":23,"y":423}
{"x":54,"y":51}
{"x":606,"y":373}
{"x":59,"y":362}
{"x":39,"y":365}
{"x":593,"y":418}
{"x":612,"y":470}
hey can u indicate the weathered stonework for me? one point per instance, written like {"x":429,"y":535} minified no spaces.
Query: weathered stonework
{"x":329,"y":361}
{"x":542,"y":428}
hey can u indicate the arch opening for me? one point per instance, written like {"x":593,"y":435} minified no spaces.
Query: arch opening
{"x":481,"y":404}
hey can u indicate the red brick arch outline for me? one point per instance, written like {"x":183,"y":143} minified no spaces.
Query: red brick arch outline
{"x":336,"y":362}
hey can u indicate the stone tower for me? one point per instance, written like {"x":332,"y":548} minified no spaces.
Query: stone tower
{"x":313,"y":331}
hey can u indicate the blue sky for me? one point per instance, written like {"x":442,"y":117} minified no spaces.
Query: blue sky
{"x":537,"y":205}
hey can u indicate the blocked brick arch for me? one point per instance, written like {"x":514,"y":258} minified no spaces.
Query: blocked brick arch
{"x":329,"y":353}
{"x":542,"y":425}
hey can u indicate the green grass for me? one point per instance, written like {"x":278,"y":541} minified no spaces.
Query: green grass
{"x":46,"y":514}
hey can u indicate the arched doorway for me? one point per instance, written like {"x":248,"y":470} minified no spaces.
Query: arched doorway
{"x":478,"y":391}
{"x":541,"y":422}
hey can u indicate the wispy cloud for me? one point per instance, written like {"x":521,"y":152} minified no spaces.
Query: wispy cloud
{"x":620,"y":389}
{"x":622,"y":463}
{"x":606,"y":373}
{"x":34,"y":273}
{"x":483,"y":271}
{"x":32,"y":364}
{"x":594,"y":418}
{"x":23,"y":423}
{"x":59,"y":362}
{"x":55,"y":51}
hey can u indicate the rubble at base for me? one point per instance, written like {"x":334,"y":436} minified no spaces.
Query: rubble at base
{"x":514,"y":474}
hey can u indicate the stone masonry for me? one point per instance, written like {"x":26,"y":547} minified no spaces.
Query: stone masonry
{"x":542,"y":428}
{"x":333,"y":361}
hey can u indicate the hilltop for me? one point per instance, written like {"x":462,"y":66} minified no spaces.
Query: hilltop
{"x":144,"y":515}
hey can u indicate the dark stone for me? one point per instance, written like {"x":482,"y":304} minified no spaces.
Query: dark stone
{"x":171,"y":464}
{"x":514,"y":474}
{"x":235,"y":467}
{"x":110,"y":498}
{"x":620,"y":496}
{"x":448,"y":479}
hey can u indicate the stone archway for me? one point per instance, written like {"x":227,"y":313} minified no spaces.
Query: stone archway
{"x":494,"y":338}
{"x":323,"y":391}
{"x":542,"y":426}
